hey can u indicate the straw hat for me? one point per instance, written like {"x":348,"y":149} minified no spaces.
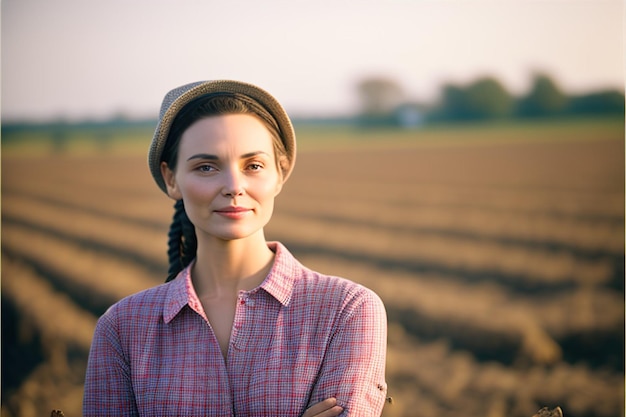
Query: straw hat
{"x":177,"y":98}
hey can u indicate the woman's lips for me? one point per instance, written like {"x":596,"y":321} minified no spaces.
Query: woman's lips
{"x":233,"y":212}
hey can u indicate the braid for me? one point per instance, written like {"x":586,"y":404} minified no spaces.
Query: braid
{"x":182,"y":242}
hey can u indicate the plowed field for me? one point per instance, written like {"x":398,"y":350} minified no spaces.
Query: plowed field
{"x":501,"y":264}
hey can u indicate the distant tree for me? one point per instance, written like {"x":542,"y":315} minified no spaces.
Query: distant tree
{"x":455,"y":104}
{"x":379,"y":97}
{"x":597,"y":103}
{"x":545,"y":98}
{"x":485,"y":98}
{"x":488,"y":99}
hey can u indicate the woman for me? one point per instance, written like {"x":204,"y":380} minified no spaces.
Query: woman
{"x":240,"y":328}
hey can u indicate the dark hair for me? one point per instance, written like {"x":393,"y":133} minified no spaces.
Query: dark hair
{"x":182,"y":241}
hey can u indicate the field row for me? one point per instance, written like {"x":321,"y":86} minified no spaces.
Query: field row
{"x":485,"y":214}
{"x":94,"y":279}
{"x":53,"y":327}
{"x":442,"y":382}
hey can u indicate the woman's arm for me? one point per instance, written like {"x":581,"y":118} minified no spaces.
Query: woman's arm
{"x":353,"y":370}
{"x":108,"y":388}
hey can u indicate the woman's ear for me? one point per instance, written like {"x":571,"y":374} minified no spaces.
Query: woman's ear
{"x":170,"y":182}
{"x":279,"y":186}
{"x":283,"y":168}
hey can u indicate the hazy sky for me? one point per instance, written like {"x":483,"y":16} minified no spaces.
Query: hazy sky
{"x":88,"y":58}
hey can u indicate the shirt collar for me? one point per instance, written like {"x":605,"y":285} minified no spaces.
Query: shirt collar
{"x":280,"y":281}
{"x":178,"y":295}
{"x":279,"y":284}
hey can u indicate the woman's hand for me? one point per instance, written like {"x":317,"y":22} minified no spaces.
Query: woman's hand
{"x":326,"y":408}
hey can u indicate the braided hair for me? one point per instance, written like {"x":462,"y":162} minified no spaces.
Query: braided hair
{"x":182,"y":240}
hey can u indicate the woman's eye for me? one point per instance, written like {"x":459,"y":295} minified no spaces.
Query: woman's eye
{"x":205,"y":168}
{"x":255,"y":167}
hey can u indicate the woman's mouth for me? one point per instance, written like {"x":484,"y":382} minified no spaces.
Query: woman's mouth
{"x":233,"y":212}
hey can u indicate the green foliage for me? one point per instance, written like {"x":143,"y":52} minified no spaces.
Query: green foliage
{"x":484,"y":99}
{"x":601,"y":102}
{"x":544,"y":99}
{"x":489,"y":99}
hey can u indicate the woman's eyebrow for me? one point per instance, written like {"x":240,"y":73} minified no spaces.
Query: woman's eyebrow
{"x":203,"y":156}
{"x":252,"y":154}
{"x":216,"y":158}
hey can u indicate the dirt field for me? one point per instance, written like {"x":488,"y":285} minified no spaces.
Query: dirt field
{"x":501,"y":266}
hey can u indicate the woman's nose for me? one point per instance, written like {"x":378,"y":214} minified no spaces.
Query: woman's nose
{"x":234,"y":184}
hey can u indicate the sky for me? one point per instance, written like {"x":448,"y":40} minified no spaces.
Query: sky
{"x":93,"y":59}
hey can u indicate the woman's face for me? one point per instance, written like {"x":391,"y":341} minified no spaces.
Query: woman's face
{"x":226,"y":175}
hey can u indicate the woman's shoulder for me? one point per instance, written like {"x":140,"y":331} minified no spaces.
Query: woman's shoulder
{"x":146,"y":302}
{"x":135,"y":317}
{"x":335,"y":302}
{"x":309,"y":281}
{"x":342,"y":292}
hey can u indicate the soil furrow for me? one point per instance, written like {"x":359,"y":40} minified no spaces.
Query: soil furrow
{"x":94,"y":280}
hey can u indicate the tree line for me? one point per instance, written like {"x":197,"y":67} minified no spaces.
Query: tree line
{"x":384,"y":102}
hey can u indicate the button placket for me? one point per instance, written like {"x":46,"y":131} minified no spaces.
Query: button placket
{"x":240,"y":314}
{"x":243,"y":312}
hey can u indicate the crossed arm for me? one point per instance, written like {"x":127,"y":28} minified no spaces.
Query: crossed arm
{"x":326,"y":408}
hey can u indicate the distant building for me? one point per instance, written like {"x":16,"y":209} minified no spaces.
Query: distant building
{"x":409,"y":115}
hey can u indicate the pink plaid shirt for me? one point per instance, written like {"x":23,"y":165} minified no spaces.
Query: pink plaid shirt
{"x":298,"y":338}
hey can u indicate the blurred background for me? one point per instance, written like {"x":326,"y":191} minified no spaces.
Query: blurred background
{"x":462,"y":158}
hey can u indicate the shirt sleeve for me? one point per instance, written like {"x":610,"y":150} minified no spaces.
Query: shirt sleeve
{"x":108,"y":388}
{"x":353,"y":370}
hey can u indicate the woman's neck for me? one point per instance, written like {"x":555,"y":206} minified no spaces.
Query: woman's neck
{"x":225,"y":267}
